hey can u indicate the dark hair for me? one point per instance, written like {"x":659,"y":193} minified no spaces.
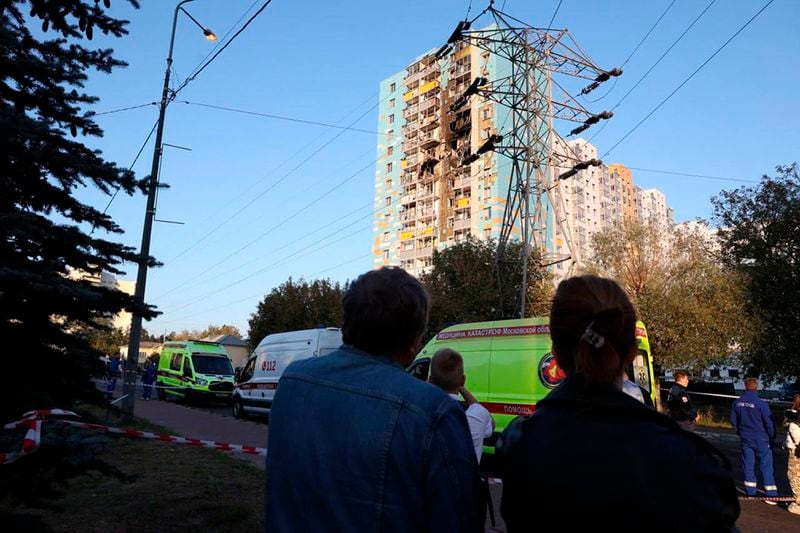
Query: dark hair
{"x":385,"y":311}
{"x":593,"y":328}
{"x":447,"y":369}
{"x":751,"y":384}
{"x":680,"y":374}
{"x":796,"y":402}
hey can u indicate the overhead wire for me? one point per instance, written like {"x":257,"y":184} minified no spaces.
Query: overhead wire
{"x":692,"y":75}
{"x":283,"y":163}
{"x":285,"y":220}
{"x":135,"y":159}
{"x":216,"y":54}
{"x":633,"y":52}
{"x":273,"y":185}
{"x":279,"y":117}
{"x":690,"y":175}
{"x":654,"y":65}
{"x":553,"y":18}
{"x":129,"y":108}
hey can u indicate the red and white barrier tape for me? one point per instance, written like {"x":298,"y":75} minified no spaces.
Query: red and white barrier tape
{"x":730,"y":396}
{"x":33,"y":420}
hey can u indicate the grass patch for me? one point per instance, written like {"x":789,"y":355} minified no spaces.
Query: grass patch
{"x":167,"y":487}
{"x":712,"y":418}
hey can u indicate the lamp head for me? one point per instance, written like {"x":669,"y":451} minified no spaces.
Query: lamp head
{"x":210,"y":35}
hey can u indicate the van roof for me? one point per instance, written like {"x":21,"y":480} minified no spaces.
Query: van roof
{"x":191,"y":344}
{"x":299,"y":335}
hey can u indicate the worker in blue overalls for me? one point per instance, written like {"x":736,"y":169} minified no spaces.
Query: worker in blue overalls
{"x":112,"y":373}
{"x":752,"y":420}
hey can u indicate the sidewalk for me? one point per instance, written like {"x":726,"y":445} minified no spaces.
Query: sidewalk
{"x":199,"y":424}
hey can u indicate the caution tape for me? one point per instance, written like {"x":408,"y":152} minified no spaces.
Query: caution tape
{"x":33,"y":420}
{"x":729,"y":396}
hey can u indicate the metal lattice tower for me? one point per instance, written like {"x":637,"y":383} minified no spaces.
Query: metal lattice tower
{"x":538,"y":59}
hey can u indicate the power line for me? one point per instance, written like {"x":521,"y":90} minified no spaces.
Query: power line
{"x":692,"y":75}
{"x":275,"y":184}
{"x":222,"y":40}
{"x":247,"y":190}
{"x":198,"y":71}
{"x":122,"y":109}
{"x":281,"y":117}
{"x":550,"y":24}
{"x":285,"y":220}
{"x":654,"y":65}
{"x":135,"y":159}
{"x":689,"y":175}
{"x":265,"y":269}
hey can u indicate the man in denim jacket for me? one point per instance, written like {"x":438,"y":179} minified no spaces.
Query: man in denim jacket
{"x":356,"y":443}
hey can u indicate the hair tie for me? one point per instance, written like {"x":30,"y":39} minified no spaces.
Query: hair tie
{"x":593,"y":338}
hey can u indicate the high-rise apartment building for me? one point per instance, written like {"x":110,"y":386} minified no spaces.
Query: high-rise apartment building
{"x":425,"y":197}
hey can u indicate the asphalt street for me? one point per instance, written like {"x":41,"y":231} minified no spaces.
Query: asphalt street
{"x":216,"y":422}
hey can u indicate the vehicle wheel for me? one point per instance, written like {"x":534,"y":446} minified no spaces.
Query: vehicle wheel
{"x":160,"y":394}
{"x":238,"y":409}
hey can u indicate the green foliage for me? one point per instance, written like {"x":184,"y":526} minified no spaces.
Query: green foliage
{"x":693,"y":306}
{"x":108,"y":341}
{"x":296,"y":305}
{"x":761,"y":239}
{"x":464,"y":287}
{"x":210,"y":331}
{"x":42,"y":223}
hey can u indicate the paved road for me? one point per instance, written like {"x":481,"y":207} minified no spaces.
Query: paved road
{"x":216,"y":423}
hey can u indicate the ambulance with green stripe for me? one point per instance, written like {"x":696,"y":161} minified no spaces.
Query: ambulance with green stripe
{"x":194,"y":370}
{"x":510,"y":366}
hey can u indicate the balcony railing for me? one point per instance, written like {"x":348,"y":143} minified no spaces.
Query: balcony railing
{"x":464,"y":223}
{"x":428,"y":103}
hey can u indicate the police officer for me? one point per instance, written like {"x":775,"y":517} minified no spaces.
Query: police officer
{"x":681,"y":409}
{"x":752,"y":420}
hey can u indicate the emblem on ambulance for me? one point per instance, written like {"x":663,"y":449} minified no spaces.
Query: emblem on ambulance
{"x":549,"y":372}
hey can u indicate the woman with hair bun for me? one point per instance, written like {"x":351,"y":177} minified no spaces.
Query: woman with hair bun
{"x":593,"y":458}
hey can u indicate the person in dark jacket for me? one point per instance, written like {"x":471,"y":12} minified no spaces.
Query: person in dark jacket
{"x":149,"y":377}
{"x":358,"y":444}
{"x":681,"y":408}
{"x":591,"y":458}
{"x":752,"y":420}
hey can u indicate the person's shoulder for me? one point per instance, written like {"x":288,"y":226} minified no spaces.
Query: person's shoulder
{"x":479,"y":411}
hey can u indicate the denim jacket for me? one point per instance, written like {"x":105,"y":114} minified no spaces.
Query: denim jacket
{"x":357,"y":444}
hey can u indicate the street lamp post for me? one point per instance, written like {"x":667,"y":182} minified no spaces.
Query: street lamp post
{"x":129,"y":389}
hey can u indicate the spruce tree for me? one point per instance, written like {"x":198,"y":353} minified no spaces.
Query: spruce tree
{"x":47,"y":233}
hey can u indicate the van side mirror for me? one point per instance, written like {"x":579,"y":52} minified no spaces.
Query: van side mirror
{"x":237,"y":374}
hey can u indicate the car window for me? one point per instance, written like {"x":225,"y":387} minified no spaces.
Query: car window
{"x":419,"y":369}
{"x":247,"y":373}
{"x":175,"y":362}
{"x":187,"y":367}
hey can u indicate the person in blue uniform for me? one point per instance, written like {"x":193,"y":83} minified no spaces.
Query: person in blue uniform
{"x":752,"y":420}
{"x":148,"y":378}
{"x":111,"y":376}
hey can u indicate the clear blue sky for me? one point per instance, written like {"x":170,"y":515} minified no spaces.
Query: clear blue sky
{"x":322,"y":60}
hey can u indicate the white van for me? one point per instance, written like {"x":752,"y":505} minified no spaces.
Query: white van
{"x":257,"y":381}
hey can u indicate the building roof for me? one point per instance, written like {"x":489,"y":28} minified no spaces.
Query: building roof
{"x":226,"y":340}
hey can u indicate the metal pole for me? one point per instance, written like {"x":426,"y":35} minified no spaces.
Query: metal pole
{"x":129,"y":387}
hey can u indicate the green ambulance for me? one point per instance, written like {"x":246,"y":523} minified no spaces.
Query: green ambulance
{"x":194,"y":370}
{"x":510,"y":366}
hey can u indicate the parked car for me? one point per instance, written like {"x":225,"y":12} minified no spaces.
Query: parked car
{"x":789,"y":390}
{"x":194,"y":370}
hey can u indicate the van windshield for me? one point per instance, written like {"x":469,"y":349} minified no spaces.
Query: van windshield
{"x":212,"y":364}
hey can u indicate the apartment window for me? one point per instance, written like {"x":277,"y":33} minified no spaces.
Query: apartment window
{"x":488,"y":213}
{"x":388,"y":201}
{"x":388,"y":184}
{"x":392,"y":87}
{"x":391,"y":119}
{"x":385,"y":236}
{"x":386,"y":255}
{"x":388,"y":168}
{"x":389,"y":151}
{"x":391,"y":103}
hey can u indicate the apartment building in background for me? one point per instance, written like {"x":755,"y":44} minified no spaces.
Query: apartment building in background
{"x":425,"y":197}
{"x":121,"y":320}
